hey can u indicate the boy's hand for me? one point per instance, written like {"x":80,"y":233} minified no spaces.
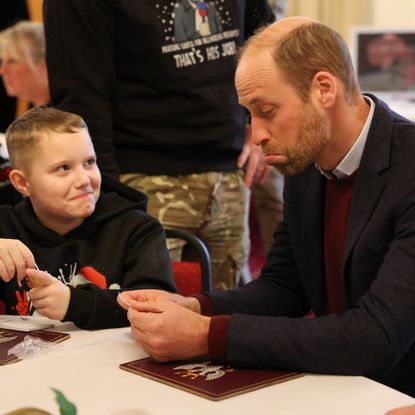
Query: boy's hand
{"x":127,"y":299}
{"x":15,"y":258}
{"x":49,"y":296}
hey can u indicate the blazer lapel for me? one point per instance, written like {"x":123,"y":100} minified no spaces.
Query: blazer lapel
{"x":366,"y":193}
{"x":369,"y":183}
{"x":312,"y":233}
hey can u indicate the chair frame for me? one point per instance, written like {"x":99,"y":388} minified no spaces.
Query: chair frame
{"x":201,"y":250}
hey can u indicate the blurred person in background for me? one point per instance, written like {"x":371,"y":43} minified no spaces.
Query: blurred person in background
{"x":279,"y":7}
{"x":24,"y":74}
{"x":23,"y":65}
{"x":11,"y":11}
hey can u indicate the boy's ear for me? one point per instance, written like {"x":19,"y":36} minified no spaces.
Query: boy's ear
{"x":19,"y":181}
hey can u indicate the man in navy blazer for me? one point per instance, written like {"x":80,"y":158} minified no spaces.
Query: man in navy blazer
{"x":344,"y":253}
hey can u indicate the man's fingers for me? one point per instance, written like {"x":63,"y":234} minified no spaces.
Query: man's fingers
{"x":123,"y":301}
{"x":139,"y":322}
{"x":126,"y":298}
{"x":148,"y":306}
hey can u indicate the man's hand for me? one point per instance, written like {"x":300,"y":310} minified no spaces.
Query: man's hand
{"x":256,"y":168}
{"x":49,"y":296}
{"x":126,"y":299}
{"x":403,"y":410}
{"x":167,"y":331}
{"x":15,"y":258}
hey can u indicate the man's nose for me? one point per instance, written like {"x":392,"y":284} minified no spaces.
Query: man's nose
{"x":259,"y":132}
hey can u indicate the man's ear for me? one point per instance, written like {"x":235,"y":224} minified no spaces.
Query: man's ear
{"x":324,"y":86}
{"x":20,"y":182}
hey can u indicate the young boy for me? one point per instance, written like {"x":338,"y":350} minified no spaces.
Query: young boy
{"x":91,"y":243}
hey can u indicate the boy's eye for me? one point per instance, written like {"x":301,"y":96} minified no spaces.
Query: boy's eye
{"x":63,"y":168}
{"x":91,"y":162}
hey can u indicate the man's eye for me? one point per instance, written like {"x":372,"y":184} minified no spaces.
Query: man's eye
{"x":267,"y":112}
{"x":63,"y":168}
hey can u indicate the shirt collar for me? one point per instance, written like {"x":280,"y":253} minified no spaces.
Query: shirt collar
{"x":351,"y":160}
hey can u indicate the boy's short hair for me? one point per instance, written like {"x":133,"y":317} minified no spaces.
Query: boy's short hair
{"x":26,"y":132}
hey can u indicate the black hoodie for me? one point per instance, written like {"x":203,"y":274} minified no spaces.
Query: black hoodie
{"x":118,"y":246}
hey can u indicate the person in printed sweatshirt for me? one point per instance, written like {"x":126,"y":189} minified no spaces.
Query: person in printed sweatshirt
{"x":76,"y":244}
{"x":154,"y":82}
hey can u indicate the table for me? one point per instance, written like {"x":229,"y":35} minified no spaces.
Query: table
{"x":86,"y":370}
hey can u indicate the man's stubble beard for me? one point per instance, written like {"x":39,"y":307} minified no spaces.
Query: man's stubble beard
{"x":312,"y":138}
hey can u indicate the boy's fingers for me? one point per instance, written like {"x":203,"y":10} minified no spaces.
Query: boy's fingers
{"x":4,"y":273}
{"x":22,"y":257}
{"x":26,"y":253}
{"x":11,"y":260}
{"x":16,"y":257}
{"x":38,"y":278}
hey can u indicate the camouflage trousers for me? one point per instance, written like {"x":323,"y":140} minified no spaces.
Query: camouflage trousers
{"x":213,"y":206}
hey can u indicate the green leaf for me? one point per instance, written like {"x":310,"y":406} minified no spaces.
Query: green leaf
{"x":66,"y":407}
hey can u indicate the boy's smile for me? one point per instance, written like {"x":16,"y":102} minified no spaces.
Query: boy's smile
{"x":63,"y":180}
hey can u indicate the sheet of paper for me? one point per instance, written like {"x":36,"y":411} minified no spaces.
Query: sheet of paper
{"x":24,"y":323}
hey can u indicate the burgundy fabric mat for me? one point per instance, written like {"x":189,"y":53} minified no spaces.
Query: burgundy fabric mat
{"x":211,"y":381}
{"x":18,"y":336}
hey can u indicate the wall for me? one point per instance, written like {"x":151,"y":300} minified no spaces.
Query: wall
{"x":396,"y":13}
{"x":338,"y":14}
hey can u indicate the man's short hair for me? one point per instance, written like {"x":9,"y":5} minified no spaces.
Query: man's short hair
{"x":26,"y":132}
{"x":24,"y":41}
{"x":304,"y":51}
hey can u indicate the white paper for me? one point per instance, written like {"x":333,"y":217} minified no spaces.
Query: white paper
{"x":24,"y":323}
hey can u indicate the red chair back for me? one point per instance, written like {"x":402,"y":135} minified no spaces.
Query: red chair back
{"x":188,"y":277}
{"x":192,"y":276}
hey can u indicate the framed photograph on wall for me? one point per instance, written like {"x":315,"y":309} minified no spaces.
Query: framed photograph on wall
{"x":384,"y":59}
